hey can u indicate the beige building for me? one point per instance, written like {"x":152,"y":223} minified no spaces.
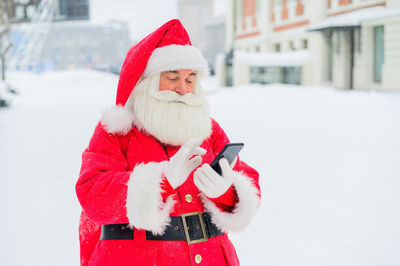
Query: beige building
{"x":348,"y":44}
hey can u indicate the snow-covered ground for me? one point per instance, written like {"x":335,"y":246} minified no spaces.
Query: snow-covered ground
{"x":329,"y":164}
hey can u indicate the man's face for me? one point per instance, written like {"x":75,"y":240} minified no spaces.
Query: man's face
{"x":181,"y":81}
{"x":165,"y":108}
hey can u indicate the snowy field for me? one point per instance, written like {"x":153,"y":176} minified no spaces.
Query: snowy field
{"x":329,"y":164}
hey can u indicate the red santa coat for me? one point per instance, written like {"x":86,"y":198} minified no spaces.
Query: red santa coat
{"x":121,"y":181}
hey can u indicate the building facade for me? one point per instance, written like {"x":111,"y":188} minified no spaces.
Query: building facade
{"x":348,"y":44}
{"x":83,"y":44}
{"x":60,"y":36}
{"x":24,"y":10}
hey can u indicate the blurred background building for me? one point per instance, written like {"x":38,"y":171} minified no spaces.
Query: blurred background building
{"x":215,"y":39}
{"x":348,"y":44}
{"x":58,"y":34}
{"x":24,"y":10}
{"x":206,"y":30}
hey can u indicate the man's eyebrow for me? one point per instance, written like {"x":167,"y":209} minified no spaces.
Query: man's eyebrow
{"x":176,"y":72}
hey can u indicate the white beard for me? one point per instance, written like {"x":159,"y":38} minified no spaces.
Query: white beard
{"x":171,"y":118}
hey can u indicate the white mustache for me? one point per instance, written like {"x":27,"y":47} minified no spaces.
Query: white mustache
{"x":171,"y":96}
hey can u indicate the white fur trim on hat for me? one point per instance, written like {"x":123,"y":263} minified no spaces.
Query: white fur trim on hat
{"x":174,"y":57}
{"x":244,"y":210}
{"x":144,"y":204}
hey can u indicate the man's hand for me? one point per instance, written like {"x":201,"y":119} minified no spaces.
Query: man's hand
{"x":210,"y":182}
{"x":180,"y":166}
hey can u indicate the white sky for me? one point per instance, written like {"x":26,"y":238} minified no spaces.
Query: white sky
{"x":142,"y":16}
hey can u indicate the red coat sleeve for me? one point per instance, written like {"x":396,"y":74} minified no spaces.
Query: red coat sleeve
{"x":101,"y":187}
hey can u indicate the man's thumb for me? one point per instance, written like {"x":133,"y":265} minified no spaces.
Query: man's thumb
{"x":225,"y":167}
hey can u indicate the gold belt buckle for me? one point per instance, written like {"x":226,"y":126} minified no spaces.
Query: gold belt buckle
{"x":202,"y":225}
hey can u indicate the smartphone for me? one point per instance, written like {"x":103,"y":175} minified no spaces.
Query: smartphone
{"x":230,"y":151}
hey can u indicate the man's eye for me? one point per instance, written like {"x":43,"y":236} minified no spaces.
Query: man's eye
{"x":172,"y":79}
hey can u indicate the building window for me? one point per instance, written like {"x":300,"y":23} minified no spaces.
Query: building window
{"x":19,"y":12}
{"x":30,"y":11}
{"x":268,"y":75}
{"x":291,"y":45}
{"x":305,"y":44}
{"x":74,"y":9}
{"x":257,"y":48}
{"x":277,"y":47}
{"x":379,"y":53}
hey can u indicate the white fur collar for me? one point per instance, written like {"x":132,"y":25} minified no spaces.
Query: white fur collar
{"x":118,"y":120}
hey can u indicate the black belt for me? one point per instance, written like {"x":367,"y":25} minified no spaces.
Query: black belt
{"x":192,"y":227}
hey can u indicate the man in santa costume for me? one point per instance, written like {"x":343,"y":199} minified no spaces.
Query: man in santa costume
{"x":148,"y":193}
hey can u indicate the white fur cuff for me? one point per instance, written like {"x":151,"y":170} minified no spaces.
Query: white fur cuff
{"x":144,"y":204}
{"x":244,"y":210}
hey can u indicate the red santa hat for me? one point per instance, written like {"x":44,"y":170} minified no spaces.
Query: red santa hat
{"x":167,"y":48}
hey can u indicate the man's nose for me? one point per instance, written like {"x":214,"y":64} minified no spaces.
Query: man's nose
{"x":181,"y":87}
